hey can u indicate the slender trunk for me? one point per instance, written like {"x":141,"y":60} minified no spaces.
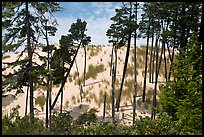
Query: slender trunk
{"x":151,"y":61}
{"x":104,"y":106}
{"x":125,"y":65}
{"x":156,"y":41}
{"x":65,"y":79}
{"x":145,"y":75}
{"x":84,"y":65}
{"x":174,"y":44}
{"x":156,"y":80}
{"x":48,"y":80}
{"x":50,"y":98}
{"x":79,"y":82}
{"x":30,"y":65}
{"x":113,"y":88}
{"x":165,"y":64}
{"x":172,"y":59}
{"x":135,"y":69}
{"x":26,"y":108}
{"x":116,"y":60}
{"x":111,"y":61}
{"x":169,"y":51}
{"x":62,"y":90}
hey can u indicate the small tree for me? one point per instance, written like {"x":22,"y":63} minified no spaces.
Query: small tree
{"x":183,"y":99}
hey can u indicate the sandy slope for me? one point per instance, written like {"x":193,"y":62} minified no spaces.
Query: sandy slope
{"x":71,"y":90}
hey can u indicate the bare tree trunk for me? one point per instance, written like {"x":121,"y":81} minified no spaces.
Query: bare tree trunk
{"x":145,"y":75}
{"x":65,"y":79}
{"x":84,"y":65}
{"x":174,"y":44}
{"x":125,"y":65}
{"x":62,"y":90}
{"x":113,"y":88}
{"x":156,"y":80}
{"x":48,"y":78}
{"x":151,"y":61}
{"x":111,"y":61}
{"x":26,"y":101}
{"x":30,"y":65}
{"x":135,"y":69}
{"x":165,"y":64}
{"x":155,"y":52}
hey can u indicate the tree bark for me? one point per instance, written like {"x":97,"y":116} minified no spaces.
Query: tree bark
{"x":125,"y":65}
{"x":84,"y":65}
{"x":111,"y":61}
{"x":113,"y":101}
{"x":151,"y":61}
{"x":26,"y":101}
{"x":63,"y":83}
{"x":30,"y":65}
{"x":156,"y":80}
{"x":145,"y":75}
{"x":135,"y":68}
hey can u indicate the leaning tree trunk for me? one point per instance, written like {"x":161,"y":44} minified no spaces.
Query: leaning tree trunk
{"x":124,"y":71}
{"x":30,"y":65}
{"x":125,"y":65}
{"x":145,"y":75}
{"x":65,"y":79}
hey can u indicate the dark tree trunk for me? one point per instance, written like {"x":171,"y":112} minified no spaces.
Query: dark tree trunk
{"x":165,"y":64}
{"x":111,"y":61}
{"x":113,"y":101}
{"x":156,"y":80}
{"x":125,"y":65}
{"x":62,"y":90}
{"x":48,"y":81}
{"x":156,"y":41}
{"x":145,"y":75}
{"x":26,"y":108}
{"x":135,"y":69}
{"x":151,"y":61}
{"x":65,"y":79}
{"x":30,"y":65}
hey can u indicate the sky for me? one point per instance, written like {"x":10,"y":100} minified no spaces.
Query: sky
{"x":96,"y":14}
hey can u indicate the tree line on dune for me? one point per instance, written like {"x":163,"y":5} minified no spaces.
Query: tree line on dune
{"x":174,"y":26}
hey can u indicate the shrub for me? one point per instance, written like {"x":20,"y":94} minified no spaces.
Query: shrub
{"x":40,"y":100}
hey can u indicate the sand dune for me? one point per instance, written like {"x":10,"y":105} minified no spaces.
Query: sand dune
{"x":71,"y":97}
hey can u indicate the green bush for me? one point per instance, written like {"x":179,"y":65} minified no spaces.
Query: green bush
{"x":16,"y":125}
{"x":62,"y":124}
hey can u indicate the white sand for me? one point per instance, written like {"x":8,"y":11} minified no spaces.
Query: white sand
{"x":71,"y":89}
